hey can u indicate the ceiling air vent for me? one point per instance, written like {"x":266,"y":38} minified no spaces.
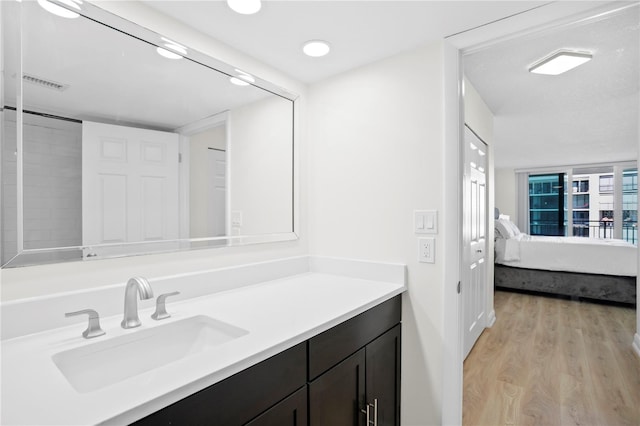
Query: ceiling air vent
{"x":49,"y":84}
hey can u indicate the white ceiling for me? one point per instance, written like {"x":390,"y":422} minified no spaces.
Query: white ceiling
{"x":587,"y":115}
{"x":360,"y":32}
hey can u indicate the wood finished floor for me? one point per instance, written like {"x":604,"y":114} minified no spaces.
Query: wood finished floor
{"x":553,"y":361}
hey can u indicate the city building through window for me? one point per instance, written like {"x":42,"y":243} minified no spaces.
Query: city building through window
{"x":599,"y":202}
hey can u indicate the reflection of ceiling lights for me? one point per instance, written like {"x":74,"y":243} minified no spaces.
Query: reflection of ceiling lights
{"x":316,"y":48}
{"x":59,"y":10}
{"x":245,"y":7}
{"x":242,"y":78}
{"x":170,"y":44}
{"x":559,"y":62}
{"x":167,"y":54}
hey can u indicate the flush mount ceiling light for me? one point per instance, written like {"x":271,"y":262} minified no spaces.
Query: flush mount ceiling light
{"x":59,"y":10}
{"x":316,"y":48}
{"x":242,"y":78}
{"x":559,"y":62}
{"x":245,"y":7}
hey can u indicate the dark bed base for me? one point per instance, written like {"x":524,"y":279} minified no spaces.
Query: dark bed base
{"x":608,"y":288}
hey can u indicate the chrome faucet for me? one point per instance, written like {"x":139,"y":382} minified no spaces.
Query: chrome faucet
{"x":142,"y":286}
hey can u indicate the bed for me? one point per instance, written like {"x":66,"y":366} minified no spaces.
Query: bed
{"x":600,"y":269}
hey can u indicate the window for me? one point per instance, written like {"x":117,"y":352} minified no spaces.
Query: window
{"x":581,"y":201}
{"x":630,"y":205}
{"x":606,"y":183}
{"x":581,"y":185}
{"x":630,"y":181}
{"x":546,"y":204}
{"x":602,"y":202}
{"x":608,"y":214}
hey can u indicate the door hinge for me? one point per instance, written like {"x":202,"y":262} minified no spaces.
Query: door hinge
{"x":179,"y":157}
{"x":459,"y":288}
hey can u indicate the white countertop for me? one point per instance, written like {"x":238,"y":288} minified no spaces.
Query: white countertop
{"x":278,"y":315}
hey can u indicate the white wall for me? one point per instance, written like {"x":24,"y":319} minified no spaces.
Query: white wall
{"x":506,"y":192}
{"x":199,"y":145}
{"x":52,"y":183}
{"x":479,"y":118}
{"x":375,"y":155}
{"x":40,"y":280}
{"x":259,"y":152}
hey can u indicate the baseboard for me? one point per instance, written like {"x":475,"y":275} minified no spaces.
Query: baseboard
{"x":491,"y":319}
{"x":636,"y":343}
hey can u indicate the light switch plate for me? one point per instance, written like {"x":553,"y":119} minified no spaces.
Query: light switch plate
{"x":236,"y":218}
{"x":427,"y":250}
{"x":425,"y":221}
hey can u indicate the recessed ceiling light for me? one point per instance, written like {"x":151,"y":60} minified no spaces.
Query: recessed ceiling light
{"x":59,"y":10}
{"x":316,"y":48}
{"x":559,"y":62}
{"x":167,"y":54}
{"x":245,"y":7}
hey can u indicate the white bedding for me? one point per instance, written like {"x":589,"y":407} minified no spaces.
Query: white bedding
{"x":572,"y":254}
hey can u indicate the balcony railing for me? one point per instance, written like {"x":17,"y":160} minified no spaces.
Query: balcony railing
{"x":588,"y":229}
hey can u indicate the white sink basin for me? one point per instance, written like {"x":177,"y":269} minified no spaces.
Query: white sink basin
{"x":110,"y":361}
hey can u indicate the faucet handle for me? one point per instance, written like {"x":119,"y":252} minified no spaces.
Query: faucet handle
{"x":93,"y":329}
{"x":161,"y":309}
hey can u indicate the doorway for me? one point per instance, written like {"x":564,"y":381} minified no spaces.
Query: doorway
{"x":454,"y":48}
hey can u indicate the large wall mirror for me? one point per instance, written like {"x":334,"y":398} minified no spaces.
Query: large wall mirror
{"x":119,"y":141}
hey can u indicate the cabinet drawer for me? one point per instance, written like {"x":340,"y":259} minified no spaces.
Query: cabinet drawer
{"x":290,"y":412}
{"x":239,"y":398}
{"x":329,"y":348}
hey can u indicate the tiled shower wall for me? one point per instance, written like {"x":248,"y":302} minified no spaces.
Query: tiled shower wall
{"x":52,"y":183}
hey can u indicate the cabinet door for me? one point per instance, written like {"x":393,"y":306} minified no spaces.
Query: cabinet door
{"x":337,"y":396}
{"x":383,"y":378}
{"x":290,"y":412}
{"x":241,"y":397}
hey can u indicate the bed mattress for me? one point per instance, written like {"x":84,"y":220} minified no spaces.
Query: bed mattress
{"x":572,"y":254}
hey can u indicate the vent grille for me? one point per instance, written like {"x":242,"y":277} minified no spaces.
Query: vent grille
{"x":49,"y":84}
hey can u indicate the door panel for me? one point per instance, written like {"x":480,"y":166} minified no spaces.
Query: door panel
{"x":383,"y":377}
{"x":474,"y":285}
{"x":336,"y":397}
{"x":129,"y":186}
{"x":217,"y":193}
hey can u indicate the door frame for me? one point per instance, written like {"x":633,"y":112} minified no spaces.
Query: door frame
{"x":552,"y":15}
{"x":220,"y":119}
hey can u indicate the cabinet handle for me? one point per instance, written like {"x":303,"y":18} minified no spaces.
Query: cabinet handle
{"x":368,"y":413}
{"x":375,"y":412}
{"x":362,"y":410}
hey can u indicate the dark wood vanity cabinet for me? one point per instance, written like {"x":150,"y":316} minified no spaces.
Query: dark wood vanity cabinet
{"x":329,"y":380}
{"x":290,"y":412}
{"x":370,"y":377}
{"x":240,"y":398}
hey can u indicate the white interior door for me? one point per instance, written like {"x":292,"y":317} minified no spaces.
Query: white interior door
{"x":474,"y":284}
{"x":217,"y":193}
{"x":129,"y":185}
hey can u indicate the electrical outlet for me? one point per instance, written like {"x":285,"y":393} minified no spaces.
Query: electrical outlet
{"x":427,"y":250}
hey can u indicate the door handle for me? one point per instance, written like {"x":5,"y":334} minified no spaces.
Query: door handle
{"x":479,"y":251}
